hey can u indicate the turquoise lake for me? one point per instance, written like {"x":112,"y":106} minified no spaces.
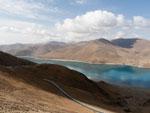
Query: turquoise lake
{"x":114,"y":74}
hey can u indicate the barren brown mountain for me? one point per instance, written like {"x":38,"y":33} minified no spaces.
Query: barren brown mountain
{"x":138,"y":48}
{"x":120,"y":51}
{"x":96,"y":51}
{"x":31,"y":49}
{"x":23,"y":88}
{"x":135,"y":52}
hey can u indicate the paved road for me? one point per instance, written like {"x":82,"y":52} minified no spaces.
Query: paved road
{"x":95,"y":109}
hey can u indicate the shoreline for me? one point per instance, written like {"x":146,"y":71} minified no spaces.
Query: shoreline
{"x":79,"y":61}
{"x":76,"y":61}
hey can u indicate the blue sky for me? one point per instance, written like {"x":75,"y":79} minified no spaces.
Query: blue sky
{"x":34,"y":21}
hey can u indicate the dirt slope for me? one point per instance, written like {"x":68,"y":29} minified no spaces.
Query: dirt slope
{"x":23,"y":89}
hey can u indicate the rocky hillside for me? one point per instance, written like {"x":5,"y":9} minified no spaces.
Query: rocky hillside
{"x":138,"y":48}
{"x":121,"y":51}
{"x":9,"y":60}
{"x":96,"y":51}
{"x":24,"y":88}
{"x":25,"y":91}
{"x":18,"y":96}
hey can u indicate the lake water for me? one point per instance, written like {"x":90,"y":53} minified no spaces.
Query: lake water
{"x":114,"y":74}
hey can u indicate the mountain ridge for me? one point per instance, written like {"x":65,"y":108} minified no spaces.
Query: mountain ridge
{"x":132,"y":51}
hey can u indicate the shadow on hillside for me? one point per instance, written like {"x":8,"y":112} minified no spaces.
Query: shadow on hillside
{"x":74,"y":83}
{"x":125,"y":43}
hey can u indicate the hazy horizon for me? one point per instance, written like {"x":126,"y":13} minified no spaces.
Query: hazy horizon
{"x":49,"y":41}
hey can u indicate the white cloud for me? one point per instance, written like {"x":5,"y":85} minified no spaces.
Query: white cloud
{"x":22,"y":32}
{"x":98,"y":24}
{"x":90,"y":25}
{"x":119,"y":34}
{"x":140,"y":21}
{"x":80,"y":1}
{"x":27,"y":9}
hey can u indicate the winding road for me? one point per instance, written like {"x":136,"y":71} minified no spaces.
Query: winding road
{"x":95,"y":109}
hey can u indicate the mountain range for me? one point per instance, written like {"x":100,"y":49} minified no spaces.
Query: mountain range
{"x":133,"y":51}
